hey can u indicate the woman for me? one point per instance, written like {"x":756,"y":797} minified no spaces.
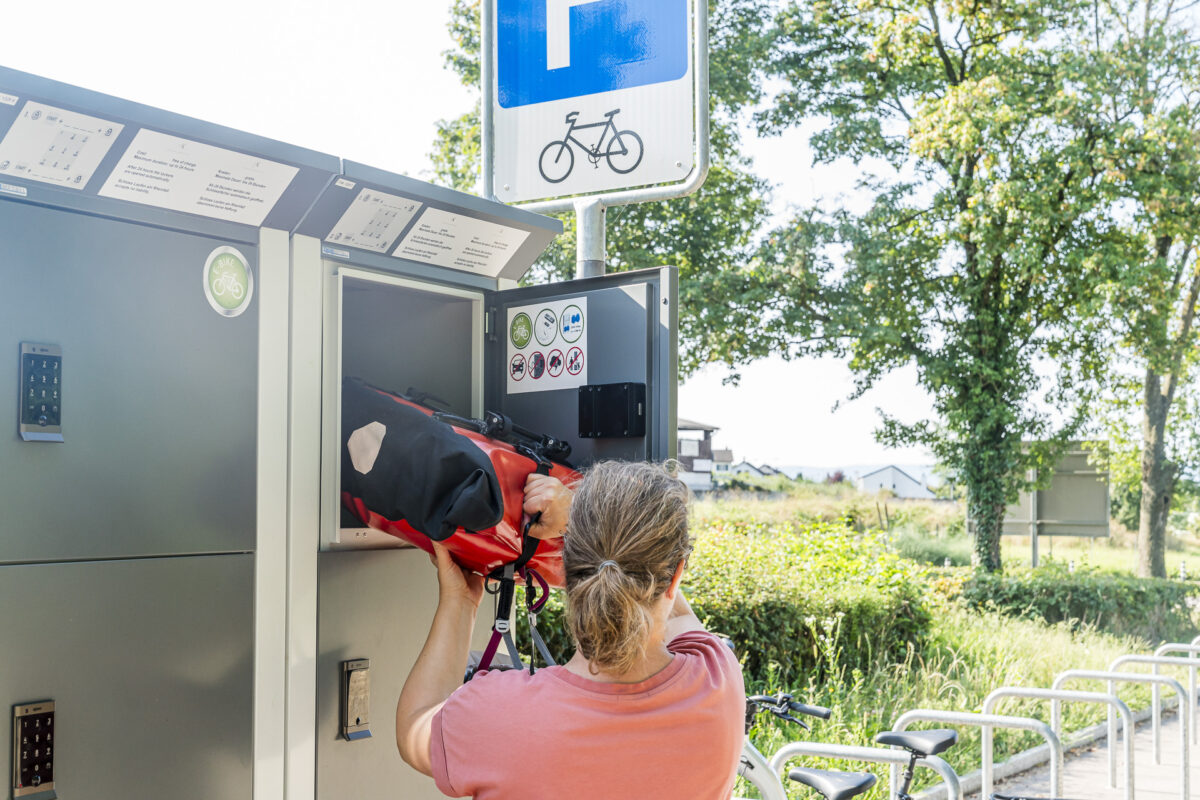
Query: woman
{"x":650,"y":705}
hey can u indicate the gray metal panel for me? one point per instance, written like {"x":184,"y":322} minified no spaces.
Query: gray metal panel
{"x":1076,"y":503}
{"x":315,"y":169}
{"x":334,"y":201}
{"x":158,"y":394}
{"x":374,"y":604}
{"x":628,"y":340}
{"x":396,"y":337}
{"x":149,"y":664}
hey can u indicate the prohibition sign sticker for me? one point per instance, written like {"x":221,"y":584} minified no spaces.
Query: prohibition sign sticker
{"x":555,"y":363}
{"x":537,"y":365}
{"x":574,"y":361}
{"x":516,"y":367}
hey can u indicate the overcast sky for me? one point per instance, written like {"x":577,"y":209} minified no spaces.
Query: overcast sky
{"x":365,"y":81}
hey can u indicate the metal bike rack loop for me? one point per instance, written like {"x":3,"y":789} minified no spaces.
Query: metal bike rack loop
{"x":878,"y":755}
{"x":1191,"y":649}
{"x":1155,"y":662}
{"x":1126,"y":677}
{"x":986,"y":721}
{"x":990,"y":701}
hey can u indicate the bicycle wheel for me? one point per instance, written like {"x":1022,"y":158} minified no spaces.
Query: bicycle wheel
{"x":559,"y":166}
{"x":624,"y":152}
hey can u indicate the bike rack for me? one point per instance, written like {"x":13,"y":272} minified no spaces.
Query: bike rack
{"x":986,"y":721}
{"x":1178,"y":647}
{"x":878,"y":755}
{"x":990,"y":701}
{"x":1125,"y":677}
{"x":1155,"y":711}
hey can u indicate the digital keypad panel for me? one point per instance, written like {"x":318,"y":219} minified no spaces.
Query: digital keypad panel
{"x":33,"y":749}
{"x":41,"y":401}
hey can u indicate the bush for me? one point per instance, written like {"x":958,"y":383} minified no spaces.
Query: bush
{"x":793,"y":600}
{"x":1152,"y":609}
{"x":935,"y":551}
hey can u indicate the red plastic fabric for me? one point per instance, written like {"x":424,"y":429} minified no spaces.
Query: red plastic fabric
{"x":485,"y":550}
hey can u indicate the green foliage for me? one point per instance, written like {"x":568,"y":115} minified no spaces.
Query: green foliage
{"x":935,"y":551}
{"x":1152,"y":609}
{"x":975,"y":261}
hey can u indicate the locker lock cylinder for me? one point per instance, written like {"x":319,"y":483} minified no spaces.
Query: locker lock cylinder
{"x":356,"y":699}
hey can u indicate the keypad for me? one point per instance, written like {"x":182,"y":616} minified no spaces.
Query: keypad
{"x":41,"y":390}
{"x":35,"y":763}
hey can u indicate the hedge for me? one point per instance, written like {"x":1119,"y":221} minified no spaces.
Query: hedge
{"x":1152,"y":609}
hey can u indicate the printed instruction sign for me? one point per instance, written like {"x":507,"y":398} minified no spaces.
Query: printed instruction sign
{"x":547,"y":346}
{"x":373,"y":220}
{"x":461,"y":242}
{"x":182,"y":175}
{"x":50,"y":145}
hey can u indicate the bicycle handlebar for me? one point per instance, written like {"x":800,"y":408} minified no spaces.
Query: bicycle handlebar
{"x":820,"y":712}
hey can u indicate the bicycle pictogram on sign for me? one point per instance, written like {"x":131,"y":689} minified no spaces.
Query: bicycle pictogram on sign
{"x":623,"y":151}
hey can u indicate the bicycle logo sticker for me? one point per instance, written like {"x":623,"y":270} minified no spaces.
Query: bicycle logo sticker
{"x":621,"y":149}
{"x":574,"y":361}
{"x":228,"y":281}
{"x":516,"y":368}
{"x":546,"y":327}
{"x":521,"y":330}
{"x":571,"y":324}
{"x":537,"y":365}
{"x":554,"y":363}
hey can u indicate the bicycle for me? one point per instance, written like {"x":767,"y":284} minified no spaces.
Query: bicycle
{"x":831,"y":784}
{"x":623,"y":153}
{"x":226,"y":282}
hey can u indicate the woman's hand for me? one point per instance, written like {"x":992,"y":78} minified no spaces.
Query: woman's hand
{"x":456,"y":584}
{"x":553,"y":500}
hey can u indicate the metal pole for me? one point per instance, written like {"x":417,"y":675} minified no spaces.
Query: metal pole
{"x":487,"y":61}
{"x":1033,"y":520}
{"x":1191,"y":649}
{"x":589,"y":237}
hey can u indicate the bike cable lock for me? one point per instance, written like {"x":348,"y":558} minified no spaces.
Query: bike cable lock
{"x":505,"y":590}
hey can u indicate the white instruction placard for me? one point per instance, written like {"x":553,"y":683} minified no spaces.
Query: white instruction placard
{"x":373,"y":220}
{"x":460,"y":242}
{"x":547,"y":346}
{"x":51,"y":145}
{"x":181,"y":175}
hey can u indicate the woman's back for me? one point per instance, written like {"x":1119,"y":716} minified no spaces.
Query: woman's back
{"x":557,"y":734}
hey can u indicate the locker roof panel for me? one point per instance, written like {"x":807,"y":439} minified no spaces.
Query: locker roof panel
{"x":410,"y":221}
{"x":65,"y":146}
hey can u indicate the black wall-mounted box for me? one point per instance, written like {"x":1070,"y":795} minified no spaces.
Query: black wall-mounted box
{"x":612,"y":411}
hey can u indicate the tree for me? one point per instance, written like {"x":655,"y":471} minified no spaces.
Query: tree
{"x":1149,"y":96}
{"x":977,"y":258}
{"x":732,"y":310}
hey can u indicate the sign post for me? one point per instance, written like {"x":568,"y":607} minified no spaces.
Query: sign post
{"x":593,"y":103}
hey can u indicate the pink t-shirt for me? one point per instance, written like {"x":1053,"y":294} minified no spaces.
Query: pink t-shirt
{"x":556,"y":735}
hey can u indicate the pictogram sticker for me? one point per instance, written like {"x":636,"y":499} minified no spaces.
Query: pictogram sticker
{"x":574,"y":361}
{"x":537,"y":365}
{"x":555,"y":363}
{"x":516,"y":367}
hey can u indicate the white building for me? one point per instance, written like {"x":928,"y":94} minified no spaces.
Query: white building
{"x":896,"y":481}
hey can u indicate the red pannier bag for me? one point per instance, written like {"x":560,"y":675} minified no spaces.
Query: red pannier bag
{"x":421,"y":475}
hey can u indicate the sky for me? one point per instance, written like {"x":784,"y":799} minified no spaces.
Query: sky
{"x":366,"y":81}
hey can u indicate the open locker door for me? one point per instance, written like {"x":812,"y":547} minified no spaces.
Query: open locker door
{"x":593,"y":362}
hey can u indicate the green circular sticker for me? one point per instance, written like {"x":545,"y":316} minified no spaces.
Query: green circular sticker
{"x":228,"y":281}
{"x":571,"y":323}
{"x":521,"y":330}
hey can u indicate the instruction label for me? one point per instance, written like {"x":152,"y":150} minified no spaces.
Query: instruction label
{"x":50,"y":145}
{"x":460,"y":242}
{"x":182,"y":175}
{"x":373,"y":220}
{"x":547,"y":343}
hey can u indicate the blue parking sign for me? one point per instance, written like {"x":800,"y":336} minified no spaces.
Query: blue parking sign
{"x":555,"y":49}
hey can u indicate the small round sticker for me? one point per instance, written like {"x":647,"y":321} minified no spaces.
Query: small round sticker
{"x":537,"y":365}
{"x":570,"y":324}
{"x":516,"y":368}
{"x":545,"y":327}
{"x":228,"y":281}
{"x":521,"y":330}
{"x":574,"y":361}
{"x":555,"y":363}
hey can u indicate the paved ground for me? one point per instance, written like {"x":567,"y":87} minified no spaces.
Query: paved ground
{"x":1085,"y":776}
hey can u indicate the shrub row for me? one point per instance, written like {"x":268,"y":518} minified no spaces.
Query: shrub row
{"x":1151,"y":609}
{"x":796,"y":599}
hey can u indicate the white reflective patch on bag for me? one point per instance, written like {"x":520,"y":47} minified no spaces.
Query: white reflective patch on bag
{"x":364,"y":445}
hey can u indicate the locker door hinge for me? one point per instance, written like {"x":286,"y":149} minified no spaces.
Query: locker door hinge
{"x":489,"y":324}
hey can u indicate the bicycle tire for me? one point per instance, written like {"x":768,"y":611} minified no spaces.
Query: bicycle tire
{"x":621,"y":136}
{"x":563,"y":146}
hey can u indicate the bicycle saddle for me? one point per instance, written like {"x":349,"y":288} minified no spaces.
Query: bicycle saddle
{"x":834,"y":785}
{"x":923,"y":743}
{"x":613,"y":113}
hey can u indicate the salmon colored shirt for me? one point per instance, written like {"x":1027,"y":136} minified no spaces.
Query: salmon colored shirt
{"x":555,"y":734}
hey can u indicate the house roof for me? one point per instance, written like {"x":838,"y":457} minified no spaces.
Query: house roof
{"x":690,"y":425}
{"x":722,"y":456}
{"x":892,"y":466}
